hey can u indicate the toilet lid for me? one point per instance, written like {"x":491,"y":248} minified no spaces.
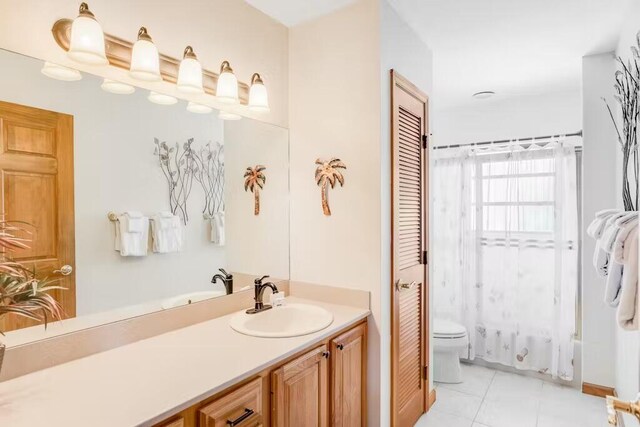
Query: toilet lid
{"x":447,"y":328}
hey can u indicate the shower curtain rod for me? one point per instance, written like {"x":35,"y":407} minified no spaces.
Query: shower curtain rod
{"x":504,"y":141}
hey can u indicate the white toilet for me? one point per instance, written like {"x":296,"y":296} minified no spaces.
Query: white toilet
{"x":450,"y":340}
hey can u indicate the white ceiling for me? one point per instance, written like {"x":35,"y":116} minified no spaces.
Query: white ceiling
{"x":294,"y":12}
{"x":512,"y":47}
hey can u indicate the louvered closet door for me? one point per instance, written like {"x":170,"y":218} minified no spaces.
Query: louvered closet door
{"x":409,"y":351}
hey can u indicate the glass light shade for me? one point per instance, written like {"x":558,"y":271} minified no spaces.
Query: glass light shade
{"x":198,"y":108}
{"x":225,"y":115}
{"x":117,"y":87}
{"x":87,"y":39}
{"x":258,"y":98}
{"x":227,"y":88}
{"x":145,"y":61}
{"x":161,"y":99}
{"x":190,"y":73}
{"x":59,"y":72}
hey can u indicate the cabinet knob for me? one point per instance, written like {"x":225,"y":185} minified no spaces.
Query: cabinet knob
{"x":326,"y":354}
{"x":340,"y":346}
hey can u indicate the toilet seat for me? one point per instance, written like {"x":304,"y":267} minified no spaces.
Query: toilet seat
{"x":446,"y":329}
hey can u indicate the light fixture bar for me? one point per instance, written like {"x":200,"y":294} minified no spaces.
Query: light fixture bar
{"x":119,"y":51}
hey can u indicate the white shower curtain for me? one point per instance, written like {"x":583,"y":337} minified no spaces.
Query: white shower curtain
{"x":505,"y":252}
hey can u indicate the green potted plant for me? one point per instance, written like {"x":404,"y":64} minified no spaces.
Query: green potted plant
{"x":21,"y":291}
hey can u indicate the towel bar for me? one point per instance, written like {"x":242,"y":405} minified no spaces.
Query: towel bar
{"x":113,"y":217}
{"x":614,"y":405}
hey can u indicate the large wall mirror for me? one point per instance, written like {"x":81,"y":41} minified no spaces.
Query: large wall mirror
{"x":72,"y":153}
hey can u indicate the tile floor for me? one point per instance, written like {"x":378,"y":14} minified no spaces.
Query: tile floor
{"x":490,"y":398}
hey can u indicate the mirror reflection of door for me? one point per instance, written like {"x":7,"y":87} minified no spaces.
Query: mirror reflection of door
{"x":36,"y":166}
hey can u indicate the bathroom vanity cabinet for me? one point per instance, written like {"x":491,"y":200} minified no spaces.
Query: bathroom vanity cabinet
{"x":324,"y":385}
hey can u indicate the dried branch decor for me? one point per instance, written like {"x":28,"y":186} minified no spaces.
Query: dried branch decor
{"x":627,"y":89}
{"x":328,"y":173}
{"x":255,"y":180}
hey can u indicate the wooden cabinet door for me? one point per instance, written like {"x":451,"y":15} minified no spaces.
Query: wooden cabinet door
{"x":300,"y":391}
{"x":348,"y":378}
{"x":240,"y":408}
{"x":36,"y":174}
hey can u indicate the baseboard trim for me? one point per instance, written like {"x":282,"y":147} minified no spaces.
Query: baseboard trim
{"x":598,"y":390}
{"x":432,"y":399}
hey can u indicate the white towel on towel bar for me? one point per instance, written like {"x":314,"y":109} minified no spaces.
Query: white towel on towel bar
{"x":625,"y":227}
{"x":136,"y":222}
{"x":167,"y":233}
{"x":601,"y":255}
{"x":217,"y":228}
{"x":596,"y":227}
{"x":613,"y":284}
{"x":132,"y":243}
{"x":628,"y":314}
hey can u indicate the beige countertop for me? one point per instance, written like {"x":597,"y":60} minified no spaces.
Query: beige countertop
{"x":144,"y":382}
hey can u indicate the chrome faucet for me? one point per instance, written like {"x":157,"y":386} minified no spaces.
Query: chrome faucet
{"x":227,"y":280}
{"x":259,"y":291}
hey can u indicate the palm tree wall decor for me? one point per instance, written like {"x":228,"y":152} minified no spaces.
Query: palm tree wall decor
{"x":254,"y":180}
{"x":328,"y":172}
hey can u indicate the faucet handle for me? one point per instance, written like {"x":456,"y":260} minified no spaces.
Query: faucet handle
{"x":259,"y":281}
{"x":223,"y":271}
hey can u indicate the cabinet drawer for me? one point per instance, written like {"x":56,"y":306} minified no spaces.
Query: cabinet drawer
{"x":178,"y":422}
{"x":240,"y":408}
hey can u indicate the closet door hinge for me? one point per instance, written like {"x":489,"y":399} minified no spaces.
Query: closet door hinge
{"x":425,"y":141}
{"x":425,"y":257}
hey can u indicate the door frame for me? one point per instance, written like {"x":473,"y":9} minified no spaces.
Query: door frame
{"x":399,"y":82}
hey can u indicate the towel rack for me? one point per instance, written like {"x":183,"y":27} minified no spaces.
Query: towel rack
{"x":113,"y":217}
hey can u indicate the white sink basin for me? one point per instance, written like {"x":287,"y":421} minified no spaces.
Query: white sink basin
{"x":185,"y":299}
{"x":291,"y":320}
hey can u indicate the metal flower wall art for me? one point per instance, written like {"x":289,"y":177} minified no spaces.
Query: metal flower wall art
{"x":627,"y":88}
{"x":179,"y":165}
{"x":182,"y":164}
{"x":328,"y":173}
{"x":254,"y":180}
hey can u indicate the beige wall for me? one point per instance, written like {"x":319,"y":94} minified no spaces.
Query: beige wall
{"x":335,"y":112}
{"x":217,"y":30}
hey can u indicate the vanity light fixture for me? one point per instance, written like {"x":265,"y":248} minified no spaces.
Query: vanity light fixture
{"x":145,"y":60}
{"x":59,"y":72}
{"x":227,"y":87}
{"x":225,"y":115}
{"x":198,"y":108}
{"x":161,"y":98}
{"x":258,"y":99}
{"x":118,"y":88}
{"x":190,"y":73}
{"x":87,"y":39}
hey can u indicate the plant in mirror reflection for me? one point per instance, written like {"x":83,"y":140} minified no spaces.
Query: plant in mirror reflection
{"x":22,"y":293}
{"x":179,"y":164}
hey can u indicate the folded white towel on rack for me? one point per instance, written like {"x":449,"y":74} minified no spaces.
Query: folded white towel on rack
{"x":132,"y":243}
{"x":596,"y":227}
{"x":625,"y":226}
{"x":628,"y":314}
{"x":137,"y":222}
{"x":613,"y":284}
{"x":600,"y":260}
{"x":217,"y":228}
{"x":167,"y":233}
